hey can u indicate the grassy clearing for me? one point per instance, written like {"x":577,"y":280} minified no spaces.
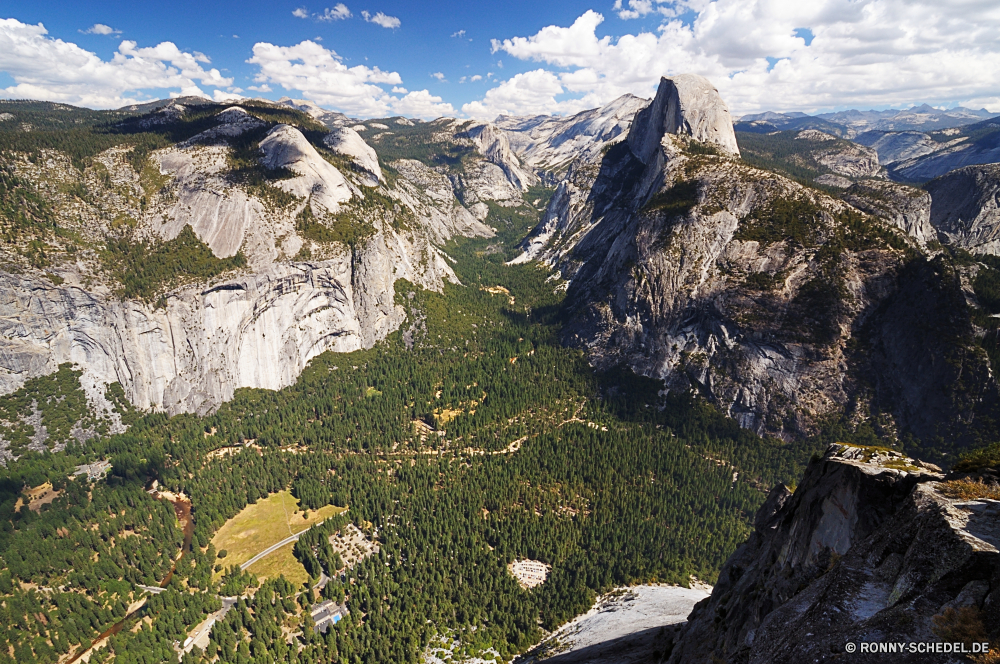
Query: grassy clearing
{"x":264,"y":523}
{"x":280,"y":562}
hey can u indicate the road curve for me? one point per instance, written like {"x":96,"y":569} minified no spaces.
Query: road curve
{"x":275,"y":547}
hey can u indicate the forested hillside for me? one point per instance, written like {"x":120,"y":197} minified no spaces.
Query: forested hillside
{"x":464,"y":438}
{"x":532,"y":455}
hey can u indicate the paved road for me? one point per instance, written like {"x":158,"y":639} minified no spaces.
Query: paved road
{"x":275,"y":547}
{"x":272,"y":549}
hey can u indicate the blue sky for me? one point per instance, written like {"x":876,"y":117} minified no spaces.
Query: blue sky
{"x":422,"y":58}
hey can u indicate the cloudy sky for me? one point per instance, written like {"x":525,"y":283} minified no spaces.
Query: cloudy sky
{"x":480,"y":59}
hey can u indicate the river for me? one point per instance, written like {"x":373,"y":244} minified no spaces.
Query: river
{"x":182,"y":508}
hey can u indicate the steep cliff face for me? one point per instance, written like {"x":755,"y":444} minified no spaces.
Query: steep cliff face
{"x":907,"y":208}
{"x":919,"y":156}
{"x":493,"y":144}
{"x":871,"y":547}
{"x":966,"y":207}
{"x":893,"y":146}
{"x":254,"y":330}
{"x":695,"y":268}
{"x":347,"y":141}
{"x":321,"y":249}
{"x":685,"y":105}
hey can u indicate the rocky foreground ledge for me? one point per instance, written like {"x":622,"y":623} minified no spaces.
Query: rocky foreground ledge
{"x":871,"y":547}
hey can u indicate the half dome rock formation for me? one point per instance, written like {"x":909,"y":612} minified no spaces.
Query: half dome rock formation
{"x":715,"y":276}
{"x":348,"y":142}
{"x":685,"y":105}
{"x":318,"y":180}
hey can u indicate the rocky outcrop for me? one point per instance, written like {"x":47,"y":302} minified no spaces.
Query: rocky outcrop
{"x":849,"y":160}
{"x":548,"y":144}
{"x":680,"y":270}
{"x":685,"y":105}
{"x":257,"y":327}
{"x":255,"y":330}
{"x":331,"y":119}
{"x":492,"y":144}
{"x":318,"y":181}
{"x":431,"y":196}
{"x":965,"y":208}
{"x":870,"y":548}
{"x":219,"y":214}
{"x":952,"y":149}
{"x":348,"y":142}
{"x":907,"y":208}
{"x":897,"y":146}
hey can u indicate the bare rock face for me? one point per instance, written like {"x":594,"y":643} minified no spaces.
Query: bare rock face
{"x":253,"y":327}
{"x":680,"y":270}
{"x":548,"y":144}
{"x":684,"y":105}
{"x":492,"y":144}
{"x":980,"y":144}
{"x":849,"y":159}
{"x":348,"y":142}
{"x":905,"y":207}
{"x":965,"y":208}
{"x":317,"y":181}
{"x":255,"y":330}
{"x":869,"y":548}
{"x":331,"y":119}
{"x":432,"y":197}
{"x":893,"y":146}
{"x":220,"y":215}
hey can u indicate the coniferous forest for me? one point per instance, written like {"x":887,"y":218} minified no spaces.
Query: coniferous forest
{"x":475,"y":441}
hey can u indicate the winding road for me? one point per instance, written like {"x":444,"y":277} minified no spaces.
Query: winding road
{"x":274,"y":547}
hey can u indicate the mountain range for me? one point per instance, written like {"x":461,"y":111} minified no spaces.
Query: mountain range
{"x":852,"y":122}
{"x":800,"y":275}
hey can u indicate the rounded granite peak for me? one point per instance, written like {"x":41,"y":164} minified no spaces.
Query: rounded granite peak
{"x":687,"y":105}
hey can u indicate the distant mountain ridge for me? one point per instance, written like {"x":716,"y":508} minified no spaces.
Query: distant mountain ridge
{"x":918,"y":118}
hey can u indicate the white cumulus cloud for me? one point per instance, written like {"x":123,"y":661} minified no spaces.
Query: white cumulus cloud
{"x":381,"y":19}
{"x":864,"y":53}
{"x":528,"y":93}
{"x":338,"y":13}
{"x":438,"y":75}
{"x":320,"y":75}
{"x":56,"y":70}
{"x":300,"y":13}
{"x":101,"y":29}
{"x":422,"y":104}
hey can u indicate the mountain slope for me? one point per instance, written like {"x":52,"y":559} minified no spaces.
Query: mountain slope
{"x":212,"y":248}
{"x":871,"y":547}
{"x":549,"y":143}
{"x":688,"y":265}
{"x":952,"y":149}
